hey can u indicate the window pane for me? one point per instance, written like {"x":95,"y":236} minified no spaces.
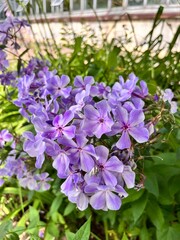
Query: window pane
{"x":156,"y":2}
{"x":48,"y":6}
{"x":89,"y":4}
{"x":66,"y":5}
{"x":174,"y":2}
{"x":117,"y":3}
{"x":76,"y":4}
{"x":135,"y":2}
{"x":101,"y":3}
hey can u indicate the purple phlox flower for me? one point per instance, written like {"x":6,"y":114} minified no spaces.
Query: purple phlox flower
{"x":127,"y":177}
{"x":42,"y":181}
{"x":81,"y":152}
{"x":59,"y":127}
{"x":41,"y":233}
{"x":80,"y":102}
{"x":73,"y":188}
{"x":151,"y":128}
{"x":5,"y":136}
{"x":57,"y":86}
{"x":3,"y":61}
{"x":100,"y":90}
{"x":107,"y":167}
{"x":35,"y":147}
{"x":29,"y":181}
{"x":129,"y":124}
{"x":142,"y":91}
{"x":97,"y":120}
{"x":24,"y":84}
{"x":15,"y":166}
{"x":103,"y":197}
{"x":174,"y":107}
{"x":81,"y":85}
{"x":122,"y":91}
{"x":9,"y":29}
{"x":167,"y":95}
{"x":61,"y":164}
{"x":8,"y":78}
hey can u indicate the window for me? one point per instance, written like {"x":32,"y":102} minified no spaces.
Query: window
{"x":48,"y":6}
{"x":152,"y":2}
{"x":135,"y":2}
{"x":89,"y":4}
{"x":66,"y":5}
{"x":101,"y":3}
{"x":76,"y":4}
{"x":117,"y":3}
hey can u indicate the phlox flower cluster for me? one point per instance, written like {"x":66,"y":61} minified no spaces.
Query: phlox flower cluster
{"x":87,"y":130}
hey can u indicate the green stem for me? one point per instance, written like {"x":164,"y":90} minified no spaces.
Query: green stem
{"x":106,"y":229}
{"x":21,"y":199}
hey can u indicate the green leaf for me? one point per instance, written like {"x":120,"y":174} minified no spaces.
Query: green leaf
{"x":70,"y":235}
{"x":169,"y":232}
{"x":4,"y":228}
{"x":84,"y":231}
{"x":151,"y":183}
{"x":155,"y":213}
{"x":55,"y":204}
{"x":69,"y":208}
{"x":12,"y":236}
{"x":139,"y":206}
{"x":52,"y":229}
{"x":124,"y":236}
{"x":112,"y":59}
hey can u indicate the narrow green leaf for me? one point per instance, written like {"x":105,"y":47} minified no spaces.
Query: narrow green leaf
{"x":69,"y":208}
{"x":4,"y":228}
{"x":84,"y":231}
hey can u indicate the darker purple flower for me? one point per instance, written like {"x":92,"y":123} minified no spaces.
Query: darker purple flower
{"x":56,"y":86}
{"x":97,"y":120}
{"x":59,"y":127}
{"x":80,"y":152}
{"x":130,"y":124}
{"x":106,"y":168}
{"x":81,"y":84}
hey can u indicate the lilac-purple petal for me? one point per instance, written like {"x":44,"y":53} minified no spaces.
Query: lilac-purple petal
{"x":124,"y":141}
{"x":69,"y":132}
{"x":39,"y":161}
{"x":129,"y":177}
{"x":113,"y":202}
{"x":90,"y":112}
{"x":114,"y":164}
{"x":86,"y":161}
{"x":121,"y":115}
{"x":98,"y":200}
{"x":67,"y":117}
{"x":102,"y":154}
{"x":82,"y":201}
{"x":109,"y":178}
{"x":136,"y":117}
{"x":64,"y":80}
{"x":140,"y":134}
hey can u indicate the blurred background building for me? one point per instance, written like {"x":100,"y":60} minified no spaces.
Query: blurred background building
{"x":115,"y":16}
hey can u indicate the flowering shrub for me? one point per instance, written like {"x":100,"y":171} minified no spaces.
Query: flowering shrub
{"x":89,"y":132}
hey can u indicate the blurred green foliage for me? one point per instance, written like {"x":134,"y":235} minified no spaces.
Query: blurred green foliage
{"x":151,"y":212}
